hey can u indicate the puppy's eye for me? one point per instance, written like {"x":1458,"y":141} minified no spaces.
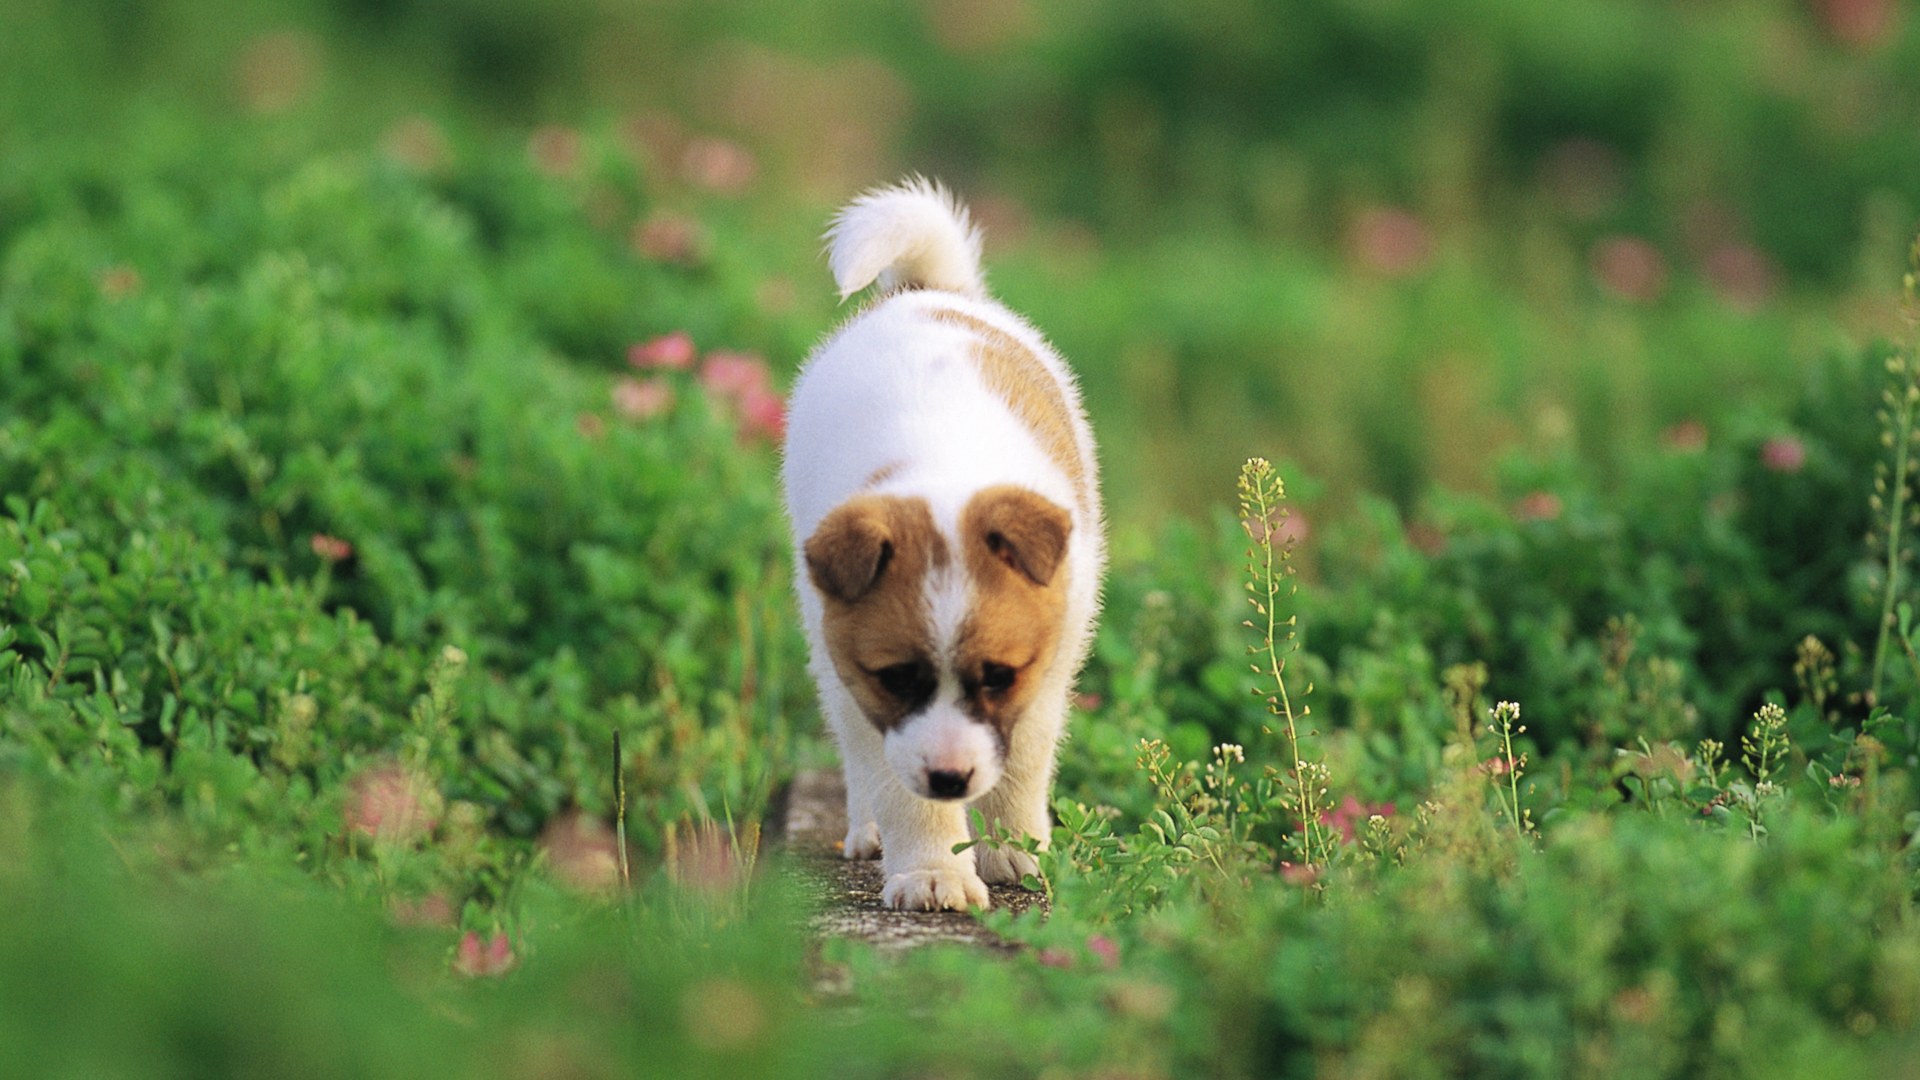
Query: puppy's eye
{"x":909,"y":681}
{"x":996,"y":678}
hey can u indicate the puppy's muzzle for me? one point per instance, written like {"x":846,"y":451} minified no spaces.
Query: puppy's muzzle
{"x":945,"y":784}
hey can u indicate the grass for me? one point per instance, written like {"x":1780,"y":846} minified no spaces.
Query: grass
{"x":397,"y":654}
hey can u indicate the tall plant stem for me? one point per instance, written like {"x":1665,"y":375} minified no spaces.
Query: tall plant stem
{"x":1896,"y":517}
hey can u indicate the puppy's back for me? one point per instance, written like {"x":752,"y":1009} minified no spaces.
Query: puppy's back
{"x":934,"y":375}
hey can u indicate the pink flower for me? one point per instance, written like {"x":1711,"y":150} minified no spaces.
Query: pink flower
{"x":418,"y":143}
{"x":1685,"y":437}
{"x":477,"y":959}
{"x":1346,"y":817}
{"x":331,"y":548}
{"x":591,"y":426}
{"x":1783,"y":454}
{"x":278,"y":70}
{"x":1538,"y":506}
{"x":702,"y":857}
{"x":1742,"y":276}
{"x":1303,"y":874}
{"x":639,"y":399}
{"x":1630,"y":268}
{"x":392,"y":804}
{"x":119,"y":281}
{"x":763,"y":414}
{"x":1088,"y":702}
{"x":1499,"y":765}
{"x":555,"y":150}
{"x":1390,"y":241}
{"x":1858,"y":24}
{"x":582,"y":852}
{"x":670,"y":352}
{"x":432,"y":909}
{"x":1105,"y":949}
{"x":718,"y":165}
{"x":732,"y":374}
{"x":670,"y":238}
{"x":1055,"y":957}
{"x":1426,"y":538}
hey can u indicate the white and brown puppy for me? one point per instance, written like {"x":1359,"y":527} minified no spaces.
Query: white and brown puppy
{"x":940,"y":479}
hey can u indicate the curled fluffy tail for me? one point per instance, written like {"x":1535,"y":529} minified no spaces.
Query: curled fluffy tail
{"x":913,"y":235}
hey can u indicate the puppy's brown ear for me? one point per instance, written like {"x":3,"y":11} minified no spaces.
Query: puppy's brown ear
{"x":1021,"y":529}
{"x":850,"y":549}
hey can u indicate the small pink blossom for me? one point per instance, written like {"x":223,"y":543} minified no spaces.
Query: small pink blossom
{"x":732,"y":374}
{"x":702,"y":857}
{"x":1304,"y":875}
{"x":718,"y":165}
{"x":278,"y":70}
{"x":119,"y":281}
{"x":1390,"y":241}
{"x":591,"y":426}
{"x":393,"y":804}
{"x":1858,"y":24}
{"x":1742,"y":276}
{"x":1630,"y":268}
{"x":1499,"y":765}
{"x":582,"y":853}
{"x":763,"y":414}
{"x":1345,"y":818}
{"x":1088,"y":702}
{"x":1105,"y":949}
{"x":1685,"y":437}
{"x":670,"y":238}
{"x":1426,"y":538}
{"x":642,"y":399}
{"x":433,"y":909}
{"x":1538,"y":506}
{"x":331,"y":548}
{"x":1783,"y":454}
{"x":555,"y":150}
{"x":417,"y":143}
{"x":1055,"y":957}
{"x":668,"y":352}
{"x":477,"y":959}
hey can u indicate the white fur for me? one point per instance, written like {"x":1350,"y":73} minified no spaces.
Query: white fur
{"x":896,"y":387}
{"x":913,"y":236}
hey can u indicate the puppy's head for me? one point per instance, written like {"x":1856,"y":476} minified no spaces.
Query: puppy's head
{"x":943,"y":639}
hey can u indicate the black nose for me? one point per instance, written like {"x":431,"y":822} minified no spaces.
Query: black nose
{"x":942,"y":784}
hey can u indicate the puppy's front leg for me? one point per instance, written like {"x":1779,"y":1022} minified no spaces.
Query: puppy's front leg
{"x":863,"y":835}
{"x":917,"y":838}
{"x":1017,"y":805}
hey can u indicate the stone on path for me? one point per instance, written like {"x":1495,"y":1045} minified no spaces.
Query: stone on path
{"x":848,"y":892}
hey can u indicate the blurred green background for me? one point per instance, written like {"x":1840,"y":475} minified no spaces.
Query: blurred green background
{"x":331,"y":499}
{"x":1385,"y":241}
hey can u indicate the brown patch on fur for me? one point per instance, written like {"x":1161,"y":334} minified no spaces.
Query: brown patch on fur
{"x":884,"y":473}
{"x":870,"y":559}
{"x":1018,"y":377}
{"x":1014,"y":543}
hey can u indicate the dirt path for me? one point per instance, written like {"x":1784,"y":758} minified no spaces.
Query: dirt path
{"x":814,"y":822}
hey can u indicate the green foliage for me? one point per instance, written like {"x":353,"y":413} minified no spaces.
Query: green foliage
{"x":339,"y":548}
{"x":253,"y":492}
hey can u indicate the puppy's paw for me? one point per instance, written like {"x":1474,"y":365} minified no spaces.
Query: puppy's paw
{"x":862,"y":842}
{"x":954,"y":888}
{"x":1004,"y":865}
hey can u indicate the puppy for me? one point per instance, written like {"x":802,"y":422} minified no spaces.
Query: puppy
{"x":941,"y":484}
